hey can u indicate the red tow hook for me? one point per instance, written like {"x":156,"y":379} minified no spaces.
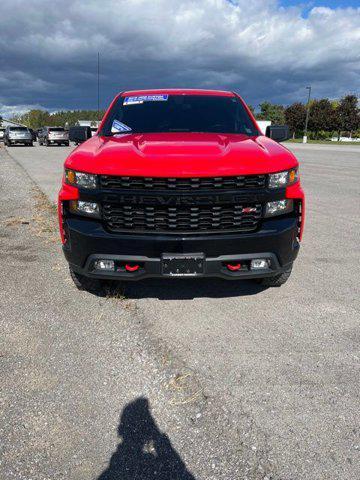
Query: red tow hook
{"x":233,"y":267}
{"x":131,"y":268}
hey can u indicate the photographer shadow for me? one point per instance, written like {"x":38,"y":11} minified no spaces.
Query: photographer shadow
{"x":144,"y":452}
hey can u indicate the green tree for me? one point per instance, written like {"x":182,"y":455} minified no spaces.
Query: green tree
{"x":295,"y":115}
{"x":35,"y":118}
{"x":272,"y":112}
{"x":322,"y":117}
{"x":39,"y":118}
{"x":348,"y":114}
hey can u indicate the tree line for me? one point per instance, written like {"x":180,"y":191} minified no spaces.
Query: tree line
{"x":326,"y":117}
{"x":40,"y":118}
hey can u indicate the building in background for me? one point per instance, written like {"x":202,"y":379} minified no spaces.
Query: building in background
{"x":8,"y":123}
{"x":88,"y":123}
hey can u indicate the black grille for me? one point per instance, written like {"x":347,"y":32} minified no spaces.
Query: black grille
{"x":156,"y":183}
{"x":182,"y":218}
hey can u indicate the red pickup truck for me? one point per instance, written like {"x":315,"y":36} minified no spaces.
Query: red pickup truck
{"x":180,"y":183}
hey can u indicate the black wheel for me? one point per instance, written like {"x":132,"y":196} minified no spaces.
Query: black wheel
{"x":47,"y":143}
{"x":91,"y":285}
{"x":277,"y":280}
{"x":31,"y":144}
{"x":67,"y":144}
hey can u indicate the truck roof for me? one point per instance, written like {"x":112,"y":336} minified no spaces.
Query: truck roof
{"x":178,"y":91}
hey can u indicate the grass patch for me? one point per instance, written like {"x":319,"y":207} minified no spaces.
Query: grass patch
{"x":44,"y":221}
{"x":323,"y":142}
{"x":16,"y":221}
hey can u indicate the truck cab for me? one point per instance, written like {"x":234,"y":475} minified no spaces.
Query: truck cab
{"x":181,"y":183}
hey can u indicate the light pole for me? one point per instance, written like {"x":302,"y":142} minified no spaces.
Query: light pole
{"x":98,"y":86}
{"x":307,"y":116}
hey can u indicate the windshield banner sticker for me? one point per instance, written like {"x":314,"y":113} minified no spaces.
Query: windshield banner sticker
{"x":145,"y":98}
{"x":119,"y":127}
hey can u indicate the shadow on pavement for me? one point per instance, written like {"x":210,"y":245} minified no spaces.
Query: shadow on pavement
{"x":144,"y":452}
{"x":175,"y":289}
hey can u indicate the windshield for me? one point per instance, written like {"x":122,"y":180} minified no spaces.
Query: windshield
{"x":18,"y":129}
{"x":56,"y":129}
{"x":178,"y":113}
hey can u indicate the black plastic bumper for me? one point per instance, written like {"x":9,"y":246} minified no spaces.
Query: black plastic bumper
{"x":88,"y":241}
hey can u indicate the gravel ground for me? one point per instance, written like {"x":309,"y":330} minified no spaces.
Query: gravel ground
{"x":246,"y":383}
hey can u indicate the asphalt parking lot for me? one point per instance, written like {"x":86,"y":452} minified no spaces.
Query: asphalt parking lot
{"x":221,"y":380}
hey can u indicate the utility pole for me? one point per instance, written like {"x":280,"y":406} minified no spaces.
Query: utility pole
{"x":98,"y":87}
{"x":307,"y":115}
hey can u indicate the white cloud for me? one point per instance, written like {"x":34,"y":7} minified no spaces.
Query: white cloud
{"x":258,"y":48}
{"x":9,"y":111}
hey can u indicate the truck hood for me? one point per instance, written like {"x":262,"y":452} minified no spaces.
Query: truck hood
{"x":180,"y":155}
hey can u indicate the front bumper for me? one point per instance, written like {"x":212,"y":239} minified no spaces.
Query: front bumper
{"x":14,"y":141}
{"x":87,"y":241}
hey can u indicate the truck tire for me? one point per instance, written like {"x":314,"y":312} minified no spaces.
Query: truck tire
{"x":277,"y":280}
{"x":91,"y":285}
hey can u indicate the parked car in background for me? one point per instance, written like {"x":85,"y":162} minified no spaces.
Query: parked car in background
{"x":93,"y":130}
{"x":33,"y":134}
{"x":53,"y":136}
{"x":17,"y":135}
{"x":2,"y":134}
{"x":80,"y":133}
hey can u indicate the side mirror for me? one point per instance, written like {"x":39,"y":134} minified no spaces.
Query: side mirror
{"x":79,"y":134}
{"x":279,"y":133}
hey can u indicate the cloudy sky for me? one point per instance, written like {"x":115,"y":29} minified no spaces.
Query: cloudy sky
{"x":264,"y":49}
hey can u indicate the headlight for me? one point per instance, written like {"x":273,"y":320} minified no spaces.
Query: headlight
{"x":80,"y":179}
{"x":90,"y":209}
{"x":283,"y":179}
{"x":279,"y":207}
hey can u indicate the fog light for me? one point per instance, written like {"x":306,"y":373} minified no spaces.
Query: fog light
{"x":278,"y":207}
{"x":259,"y":263}
{"x":85,"y":208}
{"x":104,"y":265}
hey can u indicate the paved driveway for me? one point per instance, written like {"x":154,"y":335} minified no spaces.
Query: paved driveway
{"x":278,"y":368}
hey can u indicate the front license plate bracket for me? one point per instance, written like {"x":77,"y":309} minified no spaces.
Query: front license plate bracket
{"x":182,"y":264}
